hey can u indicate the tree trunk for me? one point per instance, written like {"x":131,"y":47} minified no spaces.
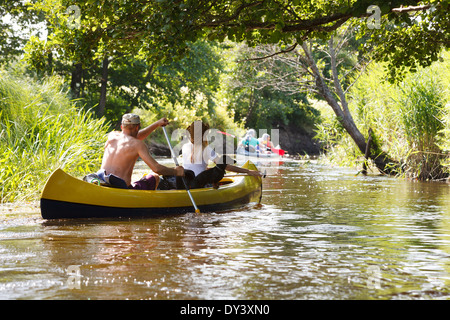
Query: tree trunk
{"x":50,"y":62}
{"x":367,"y":153}
{"x":76,"y":82}
{"x":340,"y":108}
{"x":251,"y":106}
{"x":104,"y":82}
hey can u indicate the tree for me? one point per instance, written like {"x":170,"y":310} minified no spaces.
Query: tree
{"x":85,"y":37}
{"x":83,"y":41}
{"x":326,"y":69}
{"x":259,"y":98}
{"x":410,"y":37}
{"x":154,"y":85}
{"x":162,"y":29}
{"x":335,"y":96}
{"x":16,"y":23}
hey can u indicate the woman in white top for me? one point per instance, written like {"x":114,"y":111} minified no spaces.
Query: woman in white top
{"x":197,"y":154}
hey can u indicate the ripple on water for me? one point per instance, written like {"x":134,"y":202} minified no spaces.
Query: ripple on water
{"x":320,"y":233}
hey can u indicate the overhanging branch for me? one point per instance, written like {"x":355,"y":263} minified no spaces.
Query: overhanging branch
{"x":291,"y":48}
{"x":412,"y":8}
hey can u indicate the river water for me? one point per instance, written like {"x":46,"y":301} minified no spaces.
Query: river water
{"x":320,"y":233}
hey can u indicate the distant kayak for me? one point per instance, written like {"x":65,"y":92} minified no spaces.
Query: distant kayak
{"x":66,"y":197}
{"x":242,"y":151}
{"x":278,"y":151}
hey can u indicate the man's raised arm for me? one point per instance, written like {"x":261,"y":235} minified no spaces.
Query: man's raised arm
{"x":144,"y":133}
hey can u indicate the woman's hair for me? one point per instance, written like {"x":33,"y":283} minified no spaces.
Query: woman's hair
{"x":196,"y":125}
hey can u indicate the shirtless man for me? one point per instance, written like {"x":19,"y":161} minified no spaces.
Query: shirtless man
{"x":124,"y":148}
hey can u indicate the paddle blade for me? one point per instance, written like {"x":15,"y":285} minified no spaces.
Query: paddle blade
{"x":227,"y":134}
{"x":278,"y":151}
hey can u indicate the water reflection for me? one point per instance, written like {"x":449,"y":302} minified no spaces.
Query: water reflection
{"x":320,"y":233}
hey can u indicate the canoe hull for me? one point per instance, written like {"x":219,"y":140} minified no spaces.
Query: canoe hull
{"x":54,"y":209}
{"x":65,"y":197}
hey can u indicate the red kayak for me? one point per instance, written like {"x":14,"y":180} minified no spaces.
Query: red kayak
{"x":278,"y":151}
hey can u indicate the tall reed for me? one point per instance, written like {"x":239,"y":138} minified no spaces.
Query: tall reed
{"x":41,"y":130}
{"x":422,"y":107}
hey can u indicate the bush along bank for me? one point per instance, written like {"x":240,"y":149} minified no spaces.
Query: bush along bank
{"x":42,"y":130}
{"x":408,"y":120}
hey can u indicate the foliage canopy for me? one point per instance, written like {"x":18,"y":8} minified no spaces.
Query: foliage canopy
{"x":408,"y":32}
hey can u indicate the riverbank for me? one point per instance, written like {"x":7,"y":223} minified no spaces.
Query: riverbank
{"x":409,"y":121}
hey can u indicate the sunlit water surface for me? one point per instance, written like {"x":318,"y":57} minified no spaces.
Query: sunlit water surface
{"x":320,"y":233}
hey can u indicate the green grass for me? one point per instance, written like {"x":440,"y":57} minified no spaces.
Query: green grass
{"x":42,"y":130}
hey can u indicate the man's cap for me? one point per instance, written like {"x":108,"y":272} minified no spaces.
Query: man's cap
{"x":131,"y":118}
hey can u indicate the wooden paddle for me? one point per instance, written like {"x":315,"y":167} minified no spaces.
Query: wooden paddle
{"x":176,"y":163}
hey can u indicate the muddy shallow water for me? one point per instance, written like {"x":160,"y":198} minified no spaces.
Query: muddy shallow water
{"x":320,"y":233}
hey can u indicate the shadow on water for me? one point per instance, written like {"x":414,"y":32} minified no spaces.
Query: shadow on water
{"x":320,"y":233}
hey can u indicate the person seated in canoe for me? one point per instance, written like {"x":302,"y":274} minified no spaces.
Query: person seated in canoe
{"x":265,"y":144}
{"x":122,"y":149}
{"x":196,"y":155}
{"x":249,"y":143}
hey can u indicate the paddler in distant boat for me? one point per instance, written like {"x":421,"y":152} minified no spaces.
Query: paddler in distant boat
{"x":123,"y":148}
{"x":265,"y":144}
{"x":249,"y":143}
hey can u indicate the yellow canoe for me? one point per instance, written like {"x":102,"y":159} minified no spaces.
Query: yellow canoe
{"x":66,"y":197}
